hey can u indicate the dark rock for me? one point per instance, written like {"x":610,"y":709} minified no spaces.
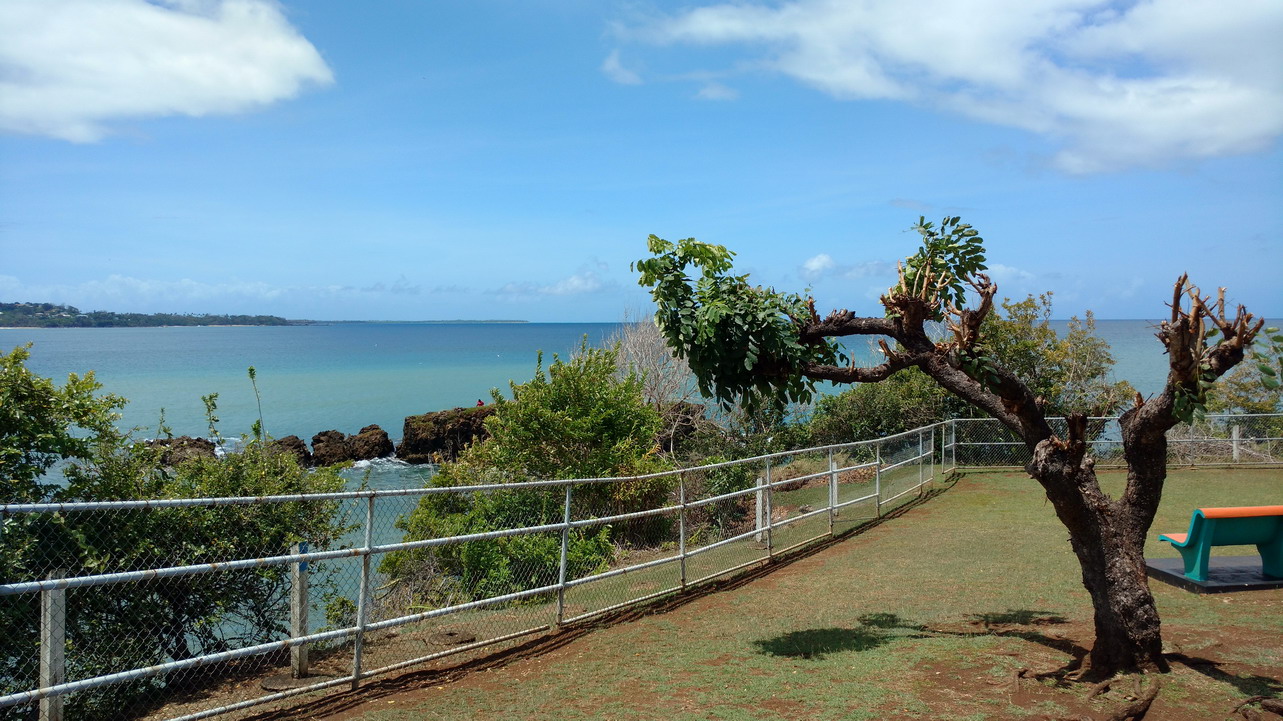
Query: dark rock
{"x":330,"y":447}
{"x":371,"y":442}
{"x":442,"y":435}
{"x":295,"y":445}
{"x":182,"y":448}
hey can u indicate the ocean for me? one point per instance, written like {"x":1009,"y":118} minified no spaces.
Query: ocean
{"x":346,"y":376}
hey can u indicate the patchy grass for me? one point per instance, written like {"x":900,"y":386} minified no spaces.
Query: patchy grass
{"x":951,"y":611}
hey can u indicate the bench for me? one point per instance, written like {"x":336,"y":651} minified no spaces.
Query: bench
{"x":1261,"y":526}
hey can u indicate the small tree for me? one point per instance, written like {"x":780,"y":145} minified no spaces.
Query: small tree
{"x":748,"y":342}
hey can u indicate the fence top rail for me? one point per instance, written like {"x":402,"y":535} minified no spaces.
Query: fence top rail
{"x":154,"y":503}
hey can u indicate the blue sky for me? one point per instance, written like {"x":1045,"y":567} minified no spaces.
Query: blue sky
{"x":484,"y":159}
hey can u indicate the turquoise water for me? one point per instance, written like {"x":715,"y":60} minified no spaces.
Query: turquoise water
{"x":311,"y":378}
{"x":346,"y":376}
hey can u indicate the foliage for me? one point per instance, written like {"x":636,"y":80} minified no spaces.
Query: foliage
{"x":1013,"y":369}
{"x":1253,"y":387}
{"x":140,"y":624}
{"x":579,"y":419}
{"x":576,"y":420}
{"x":909,"y":399}
{"x":740,"y":340}
{"x":1069,"y":374}
{"x":947,"y":257}
{"x":42,"y":423}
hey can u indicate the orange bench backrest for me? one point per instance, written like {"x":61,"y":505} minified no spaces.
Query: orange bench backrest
{"x":1241,"y":511}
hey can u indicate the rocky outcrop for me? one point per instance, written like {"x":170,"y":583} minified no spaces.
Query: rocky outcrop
{"x":294,"y":445}
{"x":372,"y":442}
{"x":183,"y":448}
{"x":330,"y":447}
{"x":442,"y":435}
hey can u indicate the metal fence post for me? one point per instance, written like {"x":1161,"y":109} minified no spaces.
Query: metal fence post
{"x":363,"y":599}
{"x":761,"y":510}
{"x":770,"y":513}
{"x":944,"y":445}
{"x":53,"y":646}
{"x":877,"y":479}
{"x":681,"y":526}
{"x":922,"y":469}
{"x":1234,"y":436}
{"x":833,"y":489}
{"x":298,"y":612}
{"x":565,"y":550}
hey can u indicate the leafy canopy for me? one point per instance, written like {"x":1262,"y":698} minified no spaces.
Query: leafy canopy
{"x":740,"y":340}
{"x":948,"y":257}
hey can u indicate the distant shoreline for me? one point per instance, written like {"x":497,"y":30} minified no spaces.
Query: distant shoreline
{"x":293,"y":323}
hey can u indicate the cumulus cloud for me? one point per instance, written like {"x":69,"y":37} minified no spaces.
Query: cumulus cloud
{"x":581,"y":283}
{"x":824,"y":266}
{"x":68,"y":68}
{"x":1137,"y":85}
{"x":615,"y":70}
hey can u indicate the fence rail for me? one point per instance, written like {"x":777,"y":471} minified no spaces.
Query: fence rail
{"x":327,"y":604}
{"x":330,"y":613}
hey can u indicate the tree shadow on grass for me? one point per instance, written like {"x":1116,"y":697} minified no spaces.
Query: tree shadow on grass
{"x":1247,"y":685}
{"x":878,"y":629}
{"x":874,"y":630}
{"x":816,"y":643}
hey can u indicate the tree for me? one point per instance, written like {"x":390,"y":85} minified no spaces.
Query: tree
{"x":745,"y":341}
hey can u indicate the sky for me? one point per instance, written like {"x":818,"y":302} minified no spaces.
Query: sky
{"x":481,"y":159}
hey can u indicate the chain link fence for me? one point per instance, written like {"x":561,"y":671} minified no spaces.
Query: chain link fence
{"x":1224,"y":439}
{"x":193,"y":608}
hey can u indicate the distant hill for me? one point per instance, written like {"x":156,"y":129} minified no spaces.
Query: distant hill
{"x":50,"y":315}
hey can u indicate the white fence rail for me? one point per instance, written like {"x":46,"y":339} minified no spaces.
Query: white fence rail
{"x":1223,"y":439}
{"x":333,"y":613}
{"x":335,"y":616}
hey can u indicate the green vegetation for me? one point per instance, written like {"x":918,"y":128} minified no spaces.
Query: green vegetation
{"x":576,"y":420}
{"x":50,"y":315}
{"x":876,"y":628}
{"x":749,"y":344}
{"x":136,"y":625}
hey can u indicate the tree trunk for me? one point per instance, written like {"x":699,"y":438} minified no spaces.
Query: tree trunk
{"x":1128,"y":630}
{"x":1108,"y":537}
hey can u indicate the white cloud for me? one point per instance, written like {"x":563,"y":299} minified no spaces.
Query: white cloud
{"x":68,"y":68}
{"x":1150,"y":83}
{"x":582,"y":283}
{"x":615,"y":70}
{"x":124,"y":293}
{"x":817,"y":266}
{"x":717,"y":91}
{"x":823,"y":265}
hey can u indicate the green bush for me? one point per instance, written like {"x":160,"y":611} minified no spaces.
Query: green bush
{"x":578,"y":419}
{"x":130,"y":625}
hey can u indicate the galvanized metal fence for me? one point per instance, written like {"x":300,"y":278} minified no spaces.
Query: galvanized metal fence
{"x":124,"y":634}
{"x":1234,"y":439}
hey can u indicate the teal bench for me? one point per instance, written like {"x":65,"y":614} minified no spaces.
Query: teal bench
{"x":1260,"y":526}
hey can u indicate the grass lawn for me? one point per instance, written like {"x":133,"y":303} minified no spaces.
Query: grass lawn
{"x":932,"y":615}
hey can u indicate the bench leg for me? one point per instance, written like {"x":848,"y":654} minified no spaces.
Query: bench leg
{"x":1196,"y":561}
{"x":1272,"y":557}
